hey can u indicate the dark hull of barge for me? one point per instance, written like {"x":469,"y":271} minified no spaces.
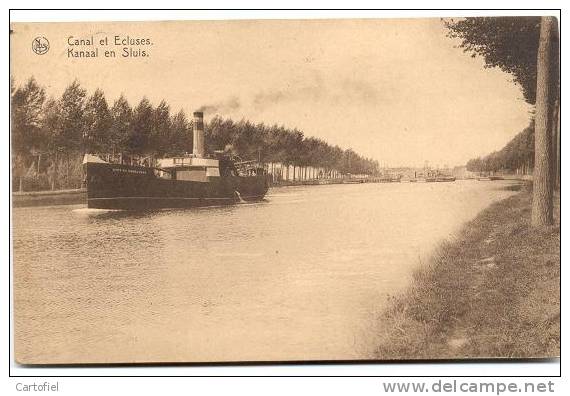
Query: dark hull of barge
{"x":128,"y":187}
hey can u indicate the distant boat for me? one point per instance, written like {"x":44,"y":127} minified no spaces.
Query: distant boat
{"x":490,"y":178}
{"x":386,"y":179}
{"x":433,"y":178}
{"x":445,"y":179}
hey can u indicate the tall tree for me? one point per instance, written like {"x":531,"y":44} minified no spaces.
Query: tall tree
{"x":98,"y":123}
{"x":180,"y":135}
{"x":139,"y":139}
{"x":543,"y":183}
{"x":120,"y":131}
{"x":160,"y":128}
{"x":72,"y":126}
{"x":26,"y":113}
{"x":51,"y":123}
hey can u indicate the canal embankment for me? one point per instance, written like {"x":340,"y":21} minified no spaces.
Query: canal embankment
{"x":492,"y":291}
{"x":45,"y":198}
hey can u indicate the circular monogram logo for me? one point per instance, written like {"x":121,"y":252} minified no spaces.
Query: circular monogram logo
{"x":40,"y":45}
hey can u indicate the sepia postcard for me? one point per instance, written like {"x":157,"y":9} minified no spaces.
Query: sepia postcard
{"x":285,"y":190}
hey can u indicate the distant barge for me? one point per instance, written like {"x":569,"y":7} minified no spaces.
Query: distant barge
{"x":435,"y":179}
{"x":177,"y":182}
{"x":490,"y":178}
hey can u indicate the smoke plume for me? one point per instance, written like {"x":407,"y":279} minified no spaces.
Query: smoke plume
{"x":226,"y":106}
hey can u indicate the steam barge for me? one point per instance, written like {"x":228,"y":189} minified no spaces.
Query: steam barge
{"x":192,"y":180}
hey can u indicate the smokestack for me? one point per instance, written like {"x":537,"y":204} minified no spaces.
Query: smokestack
{"x":198,"y":146}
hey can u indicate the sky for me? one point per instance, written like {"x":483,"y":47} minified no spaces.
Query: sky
{"x":395,"y":90}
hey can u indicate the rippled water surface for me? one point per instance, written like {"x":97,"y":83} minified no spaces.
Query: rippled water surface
{"x":302,"y":275}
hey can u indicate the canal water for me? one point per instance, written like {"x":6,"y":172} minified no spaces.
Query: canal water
{"x":303,"y":275}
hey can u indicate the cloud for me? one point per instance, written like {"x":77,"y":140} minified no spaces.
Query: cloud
{"x":317,"y":90}
{"x":360,"y":90}
{"x":308,"y":90}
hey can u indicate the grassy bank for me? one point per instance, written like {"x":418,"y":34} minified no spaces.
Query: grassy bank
{"x":491,"y":292}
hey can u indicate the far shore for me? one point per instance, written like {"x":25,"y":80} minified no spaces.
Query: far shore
{"x":492,"y":292}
